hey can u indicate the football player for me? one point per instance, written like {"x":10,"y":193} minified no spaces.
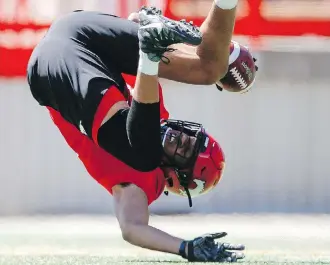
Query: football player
{"x":76,"y":72}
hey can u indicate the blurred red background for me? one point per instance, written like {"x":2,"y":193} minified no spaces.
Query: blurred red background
{"x":21,"y":27}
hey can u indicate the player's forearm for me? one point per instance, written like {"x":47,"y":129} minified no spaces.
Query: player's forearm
{"x":187,"y":67}
{"x":146,"y":236}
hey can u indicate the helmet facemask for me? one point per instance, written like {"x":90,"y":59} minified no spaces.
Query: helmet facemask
{"x":173,"y":130}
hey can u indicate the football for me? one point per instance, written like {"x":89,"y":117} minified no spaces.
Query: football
{"x":241,"y":70}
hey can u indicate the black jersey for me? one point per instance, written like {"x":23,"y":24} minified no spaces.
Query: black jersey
{"x":82,"y":54}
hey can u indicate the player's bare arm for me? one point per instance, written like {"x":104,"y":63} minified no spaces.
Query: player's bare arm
{"x":131,"y":208}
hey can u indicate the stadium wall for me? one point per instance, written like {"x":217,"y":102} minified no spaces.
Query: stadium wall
{"x":276,"y":141}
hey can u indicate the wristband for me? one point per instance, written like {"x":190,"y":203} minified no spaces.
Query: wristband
{"x":226,"y":4}
{"x":182,"y":249}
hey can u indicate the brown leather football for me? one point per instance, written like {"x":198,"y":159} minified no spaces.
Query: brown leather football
{"x":241,"y":70}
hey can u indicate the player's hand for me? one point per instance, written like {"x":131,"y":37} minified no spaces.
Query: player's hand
{"x":205,"y":249}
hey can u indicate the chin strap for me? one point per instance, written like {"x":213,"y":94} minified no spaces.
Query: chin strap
{"x":184,"y":182}
{"x":189,"y":196}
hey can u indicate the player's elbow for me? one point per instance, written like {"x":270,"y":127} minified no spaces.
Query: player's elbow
{"x":214,"y":72}
{"x":126,"y":232}
{"x":130,"y":232}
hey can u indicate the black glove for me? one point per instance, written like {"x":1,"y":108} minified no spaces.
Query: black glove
{"x":205,"y":249}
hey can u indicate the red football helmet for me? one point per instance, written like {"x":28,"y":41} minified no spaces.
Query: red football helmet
{"x":203,"y":175}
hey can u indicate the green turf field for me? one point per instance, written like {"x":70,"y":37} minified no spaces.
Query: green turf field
{"x":96,"y":240}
